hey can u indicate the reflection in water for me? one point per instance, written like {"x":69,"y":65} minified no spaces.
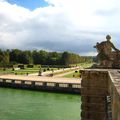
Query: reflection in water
{"x":33,"y":105}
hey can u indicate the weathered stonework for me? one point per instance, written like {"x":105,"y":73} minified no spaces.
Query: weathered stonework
{"x":93,"y":92}
{"x":96,"y":85}
{"x":114,"y":91}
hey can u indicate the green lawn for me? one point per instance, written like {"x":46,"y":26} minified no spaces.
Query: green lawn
{"x":72,"y":75}
{"x":36,"y":68}
{"x":84,"y":65}
{"x":77,"y":75}
{"x":20,"y":71}
{"x":23,"y":71}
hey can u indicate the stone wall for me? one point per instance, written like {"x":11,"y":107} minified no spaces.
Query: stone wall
{"x":114,"y":91}
{"x":96,"y":85}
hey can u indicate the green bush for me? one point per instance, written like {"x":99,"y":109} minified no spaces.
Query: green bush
{"x":30,"y":66}
{"x":55,"y":66}
{"x":44,"y":70}
{"x":3,"y":65}
{"x":48,"y":69}
{"x":9,"y":66}
{"x":76,"y":71}
{"x":4,"y":69}
{"x":21,"y":66}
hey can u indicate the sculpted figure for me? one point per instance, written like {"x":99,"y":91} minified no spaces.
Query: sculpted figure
{"x":106,"y":56}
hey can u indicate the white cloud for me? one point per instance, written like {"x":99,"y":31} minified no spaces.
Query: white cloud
{"x":73,"y":25}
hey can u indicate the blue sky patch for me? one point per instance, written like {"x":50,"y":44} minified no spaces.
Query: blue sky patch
{"x":29,"y":4}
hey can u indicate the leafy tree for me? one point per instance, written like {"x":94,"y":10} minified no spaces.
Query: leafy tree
{"x":41,"y":57}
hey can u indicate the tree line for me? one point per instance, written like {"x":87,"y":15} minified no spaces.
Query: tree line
{"x":16,"y":56}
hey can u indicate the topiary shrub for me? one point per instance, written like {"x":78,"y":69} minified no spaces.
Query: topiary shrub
{"x":21,"y":66}
{"x":76,"y":71}
{"x":30,"y":66}
{"x":48,"y":69}
{"x":9,"y":65}
{"x":4,"y":69}
{"x":44,"y":70}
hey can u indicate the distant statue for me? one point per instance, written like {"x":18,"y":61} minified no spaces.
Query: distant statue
{"x":40,"y":72}
{"x":106,"y":56}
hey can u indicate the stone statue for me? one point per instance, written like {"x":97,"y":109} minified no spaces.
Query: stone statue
{"x":107,"y":58}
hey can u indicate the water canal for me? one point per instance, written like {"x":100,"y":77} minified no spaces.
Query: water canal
{"x":32,"y":105}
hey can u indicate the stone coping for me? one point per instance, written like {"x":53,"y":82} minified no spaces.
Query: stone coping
{"x":115,"y":80}
{"x":114,"y":75}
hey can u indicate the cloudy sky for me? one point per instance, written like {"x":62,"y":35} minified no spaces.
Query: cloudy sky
{"x":58,"y":25}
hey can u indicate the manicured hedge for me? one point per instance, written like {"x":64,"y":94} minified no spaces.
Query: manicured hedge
{"x":30,"y":66}
{"x":21,"y":66}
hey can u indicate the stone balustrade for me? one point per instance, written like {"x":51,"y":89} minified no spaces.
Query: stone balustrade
{"x":42,"y":85}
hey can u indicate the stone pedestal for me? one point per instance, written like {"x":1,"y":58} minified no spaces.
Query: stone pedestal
{"x":93,"y":92}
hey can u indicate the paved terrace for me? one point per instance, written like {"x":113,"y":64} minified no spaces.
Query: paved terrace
{"x":41,"y":79}
{"x":68,"y":85}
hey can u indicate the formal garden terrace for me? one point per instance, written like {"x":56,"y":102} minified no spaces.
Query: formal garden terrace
{"x":100,"y":94}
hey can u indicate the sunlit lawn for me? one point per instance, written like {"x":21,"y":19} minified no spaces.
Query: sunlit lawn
{"x":23,"y":71}
{"x":84,"y":65}
{"x":36,"y":70}
{"x":72,"y":75}
{"x":77,"y":75}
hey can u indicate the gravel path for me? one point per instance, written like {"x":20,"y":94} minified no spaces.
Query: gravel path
{"x":56,"y":71}
{"x":41,"y":79}
{"x":63,"y":74}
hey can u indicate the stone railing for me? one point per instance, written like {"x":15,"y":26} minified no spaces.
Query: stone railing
{"x":96,"y":87}
{"x":42,"y":85}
